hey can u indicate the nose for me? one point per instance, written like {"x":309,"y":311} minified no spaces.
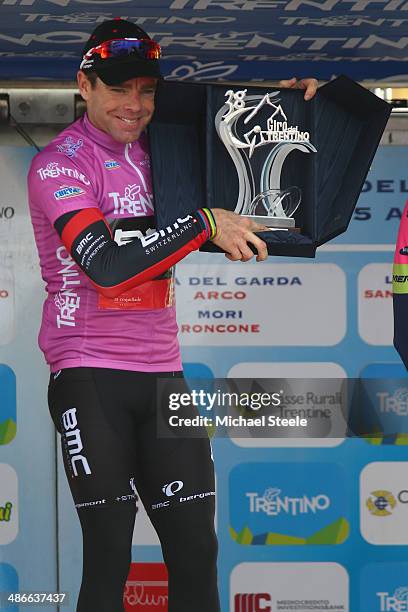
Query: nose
{"x":134,"y":102}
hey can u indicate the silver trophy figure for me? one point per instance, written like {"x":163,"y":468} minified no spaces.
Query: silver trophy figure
{"x":237,"y":127}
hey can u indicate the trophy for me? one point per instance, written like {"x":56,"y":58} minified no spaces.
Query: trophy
{"x":258,"y":137}
{"x":298,"y":167}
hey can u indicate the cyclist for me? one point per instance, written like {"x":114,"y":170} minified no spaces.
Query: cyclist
{"x":109,"y":329}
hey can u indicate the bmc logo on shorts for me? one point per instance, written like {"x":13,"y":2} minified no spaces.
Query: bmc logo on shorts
{"x":252,"y":602}
{"x":73,"y":441}
{"x":68,"y":192}
{"x":173,"y":488}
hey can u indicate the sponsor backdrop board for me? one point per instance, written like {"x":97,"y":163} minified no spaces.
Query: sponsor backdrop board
{"x":216,"y":39}
{"x":298,"y":521}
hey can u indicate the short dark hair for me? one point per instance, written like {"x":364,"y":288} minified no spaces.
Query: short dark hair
{"x":91,"y":76}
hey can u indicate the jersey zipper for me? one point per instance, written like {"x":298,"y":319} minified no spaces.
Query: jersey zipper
{"x":127,"y":157}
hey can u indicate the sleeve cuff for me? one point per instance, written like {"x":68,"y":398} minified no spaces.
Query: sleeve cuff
{"x":210,"y":221}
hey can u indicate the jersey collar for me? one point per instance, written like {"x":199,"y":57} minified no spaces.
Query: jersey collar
{"x":101,"y":138}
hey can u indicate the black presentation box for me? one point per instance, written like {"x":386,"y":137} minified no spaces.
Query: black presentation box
{"x":192,"y":167}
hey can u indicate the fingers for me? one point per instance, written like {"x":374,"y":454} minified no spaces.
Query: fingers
{"x":261,"y":228}
{"x":259,"y":244}
{"x":235,"y":234}
{"x":244,"y":253}
{"x":254,"y":226}
{"x":261,"y":248}
{"x":234,"y":255}
{"x":310,"y":85}
{"x":288,"y":83}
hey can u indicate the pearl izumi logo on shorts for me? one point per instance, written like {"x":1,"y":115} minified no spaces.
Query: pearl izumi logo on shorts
{"x":73,"y":442}
{"x":173,"y":488}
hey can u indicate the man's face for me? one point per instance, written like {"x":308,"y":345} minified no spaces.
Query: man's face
{"x":124,"y":110}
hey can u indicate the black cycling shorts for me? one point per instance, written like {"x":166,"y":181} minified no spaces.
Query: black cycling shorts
{"x":108,"y":424}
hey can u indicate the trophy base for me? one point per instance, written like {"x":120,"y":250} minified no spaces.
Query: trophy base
{"x":276,"y":222}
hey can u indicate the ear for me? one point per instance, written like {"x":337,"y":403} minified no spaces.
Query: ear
{"x":84,"y":85}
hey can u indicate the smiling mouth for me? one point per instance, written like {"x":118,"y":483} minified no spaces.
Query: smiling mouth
{"x":128,"y":121}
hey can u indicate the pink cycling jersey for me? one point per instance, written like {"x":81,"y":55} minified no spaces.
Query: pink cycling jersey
{"x":85,"y":168}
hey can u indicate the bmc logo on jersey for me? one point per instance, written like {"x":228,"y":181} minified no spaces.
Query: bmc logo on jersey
{"x":252,"y":602}
{"x":68,"y":192}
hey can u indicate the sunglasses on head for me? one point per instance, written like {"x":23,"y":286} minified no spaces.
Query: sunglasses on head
{"x":144,"y":48}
